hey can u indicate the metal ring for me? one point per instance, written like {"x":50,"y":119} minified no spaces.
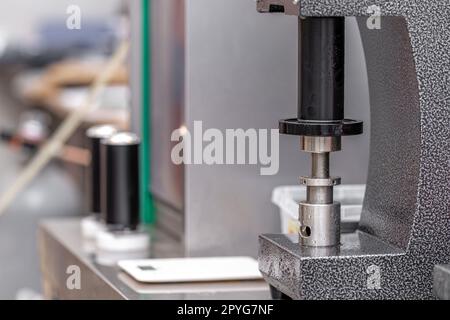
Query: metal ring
{"x":320,"y":182}
{"x":319,"y":224}
{"x":297,"y":127}
{"x":320,"y":144}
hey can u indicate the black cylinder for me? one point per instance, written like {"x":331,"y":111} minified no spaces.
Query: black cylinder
{"x":321,"y":68}
{"x":120,"y":182}
{"x":94,"y":137}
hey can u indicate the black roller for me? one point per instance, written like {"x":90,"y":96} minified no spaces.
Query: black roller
{"x":94,"y":137}
{"x":321,"y":69}
{"x":321,"y":83}
{"x":345,"y":127}
{"x":120,"y":181}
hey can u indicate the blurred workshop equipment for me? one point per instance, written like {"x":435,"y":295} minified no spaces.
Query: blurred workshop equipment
{"x":63,"y":86}
{"x":53,"y":146}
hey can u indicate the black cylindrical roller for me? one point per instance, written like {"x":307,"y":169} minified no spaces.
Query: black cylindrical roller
{"x":120,"y":181}
{"x":95,"y":135}
{"x":321,"y":68}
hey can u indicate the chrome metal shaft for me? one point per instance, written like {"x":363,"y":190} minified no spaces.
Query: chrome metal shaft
{"x":319,"y":214}
{"x":320,"y":169}
{"x":320,"y":165}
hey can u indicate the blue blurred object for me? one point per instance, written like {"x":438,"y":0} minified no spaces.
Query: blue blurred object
{"x":57,"y":42}
{"x":98,"y":36}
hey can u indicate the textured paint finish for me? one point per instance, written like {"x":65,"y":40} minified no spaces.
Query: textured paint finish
{"x":405,"y":226}
{"x":442,"y":282}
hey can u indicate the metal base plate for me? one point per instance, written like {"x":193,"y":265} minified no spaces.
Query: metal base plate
{"x":363,"y":267}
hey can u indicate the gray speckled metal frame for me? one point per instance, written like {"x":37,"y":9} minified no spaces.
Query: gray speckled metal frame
{"x":405,"y":226}
{"x":442,"y":282}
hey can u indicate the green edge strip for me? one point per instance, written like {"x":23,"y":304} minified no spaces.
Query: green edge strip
{"x":147,"y":205}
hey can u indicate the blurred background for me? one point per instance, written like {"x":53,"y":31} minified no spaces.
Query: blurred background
{"x":212,"y":60}
{"x":45,"y":69}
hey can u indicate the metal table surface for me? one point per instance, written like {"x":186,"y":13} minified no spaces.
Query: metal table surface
{"x":61,"y":247}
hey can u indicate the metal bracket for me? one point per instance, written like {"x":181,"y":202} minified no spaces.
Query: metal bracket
{"x":288,"y":7}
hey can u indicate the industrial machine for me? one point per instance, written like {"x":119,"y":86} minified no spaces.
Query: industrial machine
{"x":405,"y":225}
{"x":207,"y":60}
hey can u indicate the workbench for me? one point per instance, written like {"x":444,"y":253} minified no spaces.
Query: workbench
{"x":62,"y":246}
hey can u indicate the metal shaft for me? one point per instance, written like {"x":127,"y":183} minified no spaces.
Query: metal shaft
{"x":320,"y":169}
{"x":321,"y":100}
{"x":320,"y":165}
{"x":319,"y":215}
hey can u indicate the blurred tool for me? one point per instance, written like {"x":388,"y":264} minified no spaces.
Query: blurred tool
{"x":120,"y":181}
{"x":33,"y":131}
{"x":91,"y":224}
{"x":34,"y":126}
{"x":122,"y":237}
{"x":53,"y":146}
